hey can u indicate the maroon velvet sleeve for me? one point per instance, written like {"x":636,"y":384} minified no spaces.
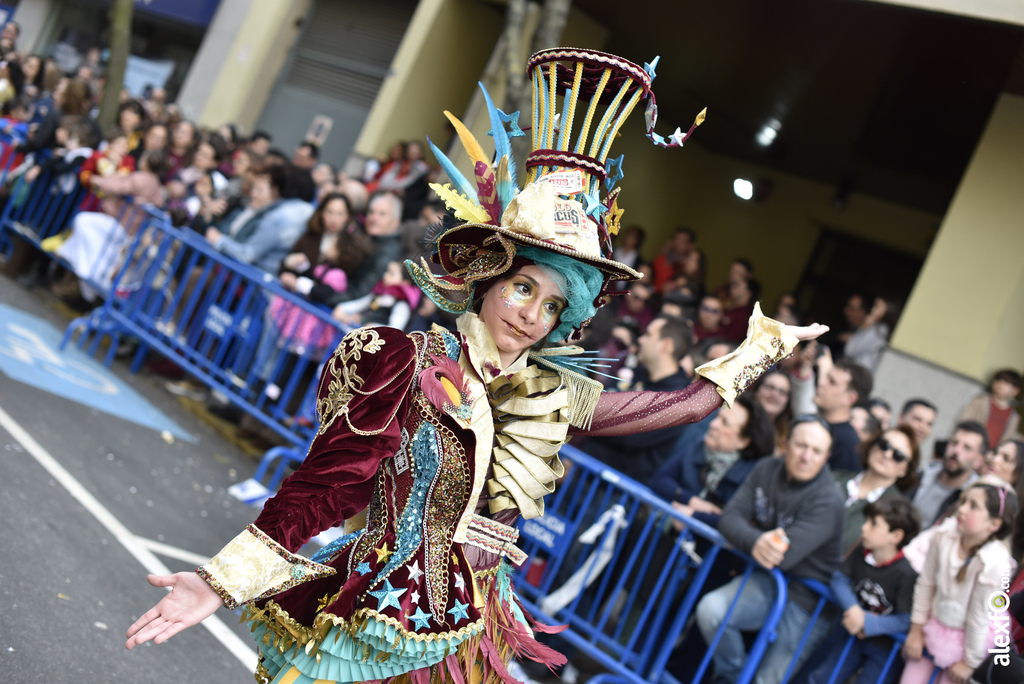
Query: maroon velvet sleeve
{"x":336,"y":479}
{"x":626,"y":413}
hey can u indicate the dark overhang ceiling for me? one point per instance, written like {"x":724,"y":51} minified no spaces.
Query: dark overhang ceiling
{"x":873,"y":98}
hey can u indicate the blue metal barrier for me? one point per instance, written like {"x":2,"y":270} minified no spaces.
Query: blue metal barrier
{"x":825,"y":596}
{"x":208,"y":313}
{"x":49,"y":205}
{"x":41,"y":208}
{"x":613,"y":620}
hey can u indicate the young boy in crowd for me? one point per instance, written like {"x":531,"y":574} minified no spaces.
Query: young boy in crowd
{"x":875,"y":588}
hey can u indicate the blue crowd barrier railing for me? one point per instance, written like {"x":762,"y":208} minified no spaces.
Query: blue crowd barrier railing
{"x":639,"y":580}
{"x":41,"y":208}
{"x":228,"y":324}
{"x":825,"y":596}
{"x":49,"y":205}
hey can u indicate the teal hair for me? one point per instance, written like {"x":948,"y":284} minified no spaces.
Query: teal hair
{"x":580,"y":284}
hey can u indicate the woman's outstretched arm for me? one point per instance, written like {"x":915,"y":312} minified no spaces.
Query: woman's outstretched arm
{"x":625,"y":413}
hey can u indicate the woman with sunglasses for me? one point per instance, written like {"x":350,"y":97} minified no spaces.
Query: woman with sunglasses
{"x":890,"y":469}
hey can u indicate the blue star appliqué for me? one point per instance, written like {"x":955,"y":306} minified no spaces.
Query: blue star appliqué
{"x":613,"y":171}
{"x":388,"y":596}
{"x":363,"y":568}
{"x":649,"y":68}
{"x":592,"y":205}
{"x":514,"y":131}
{"x":421,"y":619}
{"x":459,"y":612}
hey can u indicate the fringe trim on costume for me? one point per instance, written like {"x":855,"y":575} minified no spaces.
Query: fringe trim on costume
{"x":479,"y":659}
{"x":584,"y":392}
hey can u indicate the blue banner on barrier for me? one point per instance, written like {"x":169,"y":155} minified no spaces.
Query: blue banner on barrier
{"x":553,"y":533}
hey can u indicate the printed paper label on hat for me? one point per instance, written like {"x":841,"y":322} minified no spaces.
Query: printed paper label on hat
{"x":568,"y":217}
{"x":565,"y":182}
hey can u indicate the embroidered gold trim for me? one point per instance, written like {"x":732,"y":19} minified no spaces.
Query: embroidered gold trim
{"x":767,"y":343}
{"x":253,"y":566}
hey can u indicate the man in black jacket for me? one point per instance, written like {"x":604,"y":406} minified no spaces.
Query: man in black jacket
{"x":788,"y":514}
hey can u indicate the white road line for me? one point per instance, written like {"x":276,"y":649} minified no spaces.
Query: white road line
{"x":243,"y":651}
{"x":172,"y":551}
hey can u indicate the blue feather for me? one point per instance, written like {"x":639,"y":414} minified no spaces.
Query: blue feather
{"x":502,"y":148}
{"x":461,"y":184}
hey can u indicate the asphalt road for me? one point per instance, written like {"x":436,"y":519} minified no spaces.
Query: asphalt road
{"x":80,"y":531}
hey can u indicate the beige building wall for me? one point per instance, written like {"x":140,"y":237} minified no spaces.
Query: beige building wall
{"x":966,"y":311}
{"x":262,"y":32}
{"x":438,"y":63}
{"x":1007,"y":11}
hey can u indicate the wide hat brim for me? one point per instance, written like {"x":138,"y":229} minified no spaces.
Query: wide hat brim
{"x":478,"y":233}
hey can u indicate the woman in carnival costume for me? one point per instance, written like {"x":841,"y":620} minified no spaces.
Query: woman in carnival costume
{"x":445,"y":439}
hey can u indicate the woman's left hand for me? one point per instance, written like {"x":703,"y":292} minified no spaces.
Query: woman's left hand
{"x":960,"y":672}
{"x":805,"y":333}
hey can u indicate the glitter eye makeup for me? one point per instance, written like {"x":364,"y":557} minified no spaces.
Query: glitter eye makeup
{"x":521,"y":291}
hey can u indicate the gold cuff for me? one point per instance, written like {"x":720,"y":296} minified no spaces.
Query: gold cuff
{"x":253,"y":566}
{"x":767,"y":343}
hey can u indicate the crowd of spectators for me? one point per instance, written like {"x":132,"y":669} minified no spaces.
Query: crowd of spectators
{"x":335,"y":240}
{"x":807,"y":472}
{"x":901,"y":526}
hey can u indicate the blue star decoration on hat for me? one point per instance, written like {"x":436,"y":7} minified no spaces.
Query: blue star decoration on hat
{"x":592,"y":205}
{"x":459,"y":612}
{"x":613,"y":172}
{"x":363,"y":568}
{"x":514,"y":131}
{"x":421,"y":619}
{"x":388,"y":596}
{"x":650,"y":67}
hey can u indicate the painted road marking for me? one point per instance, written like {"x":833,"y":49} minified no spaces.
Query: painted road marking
{"x":173,"y":552}
{"x":30,"y":353}
{"x":136,"y":547}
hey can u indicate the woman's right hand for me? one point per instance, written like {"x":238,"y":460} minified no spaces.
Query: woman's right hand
{"x":190,"y":601}
{"x":913,"y":647}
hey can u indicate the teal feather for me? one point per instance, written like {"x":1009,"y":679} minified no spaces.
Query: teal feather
{"x":507,"y":186}
{"x":461,"y":183}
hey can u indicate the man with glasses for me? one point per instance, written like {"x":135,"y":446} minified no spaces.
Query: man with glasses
{"x":788,"y":514}
{"x":943,"y":481}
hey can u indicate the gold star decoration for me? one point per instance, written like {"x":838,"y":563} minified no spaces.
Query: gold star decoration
{"x":613,"y":216}
{"x":455,"y":560}
{"x":322,"y":603}
{"x":383,"y":554}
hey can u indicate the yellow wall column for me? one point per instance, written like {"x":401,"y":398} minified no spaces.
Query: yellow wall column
{"x":966,"y":312}
{"x":438,"y":63}
{"x":262,"y":33}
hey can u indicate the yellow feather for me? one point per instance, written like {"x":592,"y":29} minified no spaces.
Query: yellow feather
{"x":464,"y":208}
{"x":476,"y":153}
{"x":453,"y":394}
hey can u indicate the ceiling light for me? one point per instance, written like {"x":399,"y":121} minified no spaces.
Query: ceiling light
{"x":743,"y":188}
{"x":766,"y":136}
